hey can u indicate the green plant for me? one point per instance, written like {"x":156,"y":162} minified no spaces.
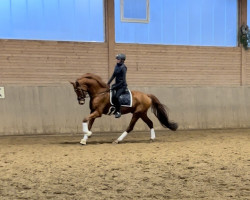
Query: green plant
{"x":245,"y":36}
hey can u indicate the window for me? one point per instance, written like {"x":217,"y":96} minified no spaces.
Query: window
{"x":178,"y":22}
{"x":60,"y":20}
{"x":135,"y":11}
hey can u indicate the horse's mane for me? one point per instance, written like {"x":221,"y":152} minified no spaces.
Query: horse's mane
{"x":95,"y":77}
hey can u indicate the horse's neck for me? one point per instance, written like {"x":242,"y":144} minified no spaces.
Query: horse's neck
{"x":93,"y":91}
{"x":95,"y":88}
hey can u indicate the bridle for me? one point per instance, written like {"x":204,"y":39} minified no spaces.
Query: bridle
{"x":82,"y":94}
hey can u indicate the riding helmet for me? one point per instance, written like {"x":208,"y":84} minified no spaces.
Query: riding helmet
{"x":120,"y":56}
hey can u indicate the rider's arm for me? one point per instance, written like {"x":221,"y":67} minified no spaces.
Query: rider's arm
{"x":111,"y":79}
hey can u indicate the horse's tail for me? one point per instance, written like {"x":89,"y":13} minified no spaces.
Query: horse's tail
{"x":160,"y":112}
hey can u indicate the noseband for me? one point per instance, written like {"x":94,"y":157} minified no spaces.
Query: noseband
{"x":82,"y":92}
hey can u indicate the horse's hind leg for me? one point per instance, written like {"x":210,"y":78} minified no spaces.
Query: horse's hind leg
{"x":129,"y":129}
{"x":150,"y":125}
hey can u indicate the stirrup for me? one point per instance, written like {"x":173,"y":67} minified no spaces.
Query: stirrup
{"x":118,"y":114}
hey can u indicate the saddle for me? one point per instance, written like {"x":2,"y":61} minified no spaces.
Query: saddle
{"x":125,"y":99}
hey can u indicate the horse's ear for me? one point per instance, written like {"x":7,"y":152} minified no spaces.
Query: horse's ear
{"x":74,"y":85}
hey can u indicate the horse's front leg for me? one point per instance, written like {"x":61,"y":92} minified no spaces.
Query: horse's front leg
{"x":86,"y":127}
{"x":89,"y":125}
{"x":91,"y":121}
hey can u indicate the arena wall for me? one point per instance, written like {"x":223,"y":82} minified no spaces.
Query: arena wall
{"x":44,"y":62}
{"x":54,"y":109}
{"x":203,"y":87}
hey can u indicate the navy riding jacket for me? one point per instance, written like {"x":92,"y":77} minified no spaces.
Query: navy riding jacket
{"x":120,"y":76}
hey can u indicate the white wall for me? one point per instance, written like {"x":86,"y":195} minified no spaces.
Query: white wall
{"x":54,"y":109}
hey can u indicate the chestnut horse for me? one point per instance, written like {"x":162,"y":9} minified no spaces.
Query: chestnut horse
{"x":98,"y":91}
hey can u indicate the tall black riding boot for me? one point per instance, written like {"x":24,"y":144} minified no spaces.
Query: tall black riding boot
{"x":118,"y":109}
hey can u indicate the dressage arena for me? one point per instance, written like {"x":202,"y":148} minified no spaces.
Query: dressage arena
{"x":189,"y":54}
{"x":206,"y":164}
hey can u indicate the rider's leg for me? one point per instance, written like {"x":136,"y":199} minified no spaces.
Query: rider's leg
{"x":117,"y":102}
{"x":118,"y":109}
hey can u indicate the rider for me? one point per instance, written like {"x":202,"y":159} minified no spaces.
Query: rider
{"x":120,"y":81}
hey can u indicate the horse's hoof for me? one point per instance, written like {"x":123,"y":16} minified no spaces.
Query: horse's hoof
{"x":116,"y":142}
{"x":151,"y":140}
{"x":83,"y":142}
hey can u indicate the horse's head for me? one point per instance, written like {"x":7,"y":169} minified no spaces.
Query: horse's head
{"x":88,"y":84}
{"x":81,"y":92}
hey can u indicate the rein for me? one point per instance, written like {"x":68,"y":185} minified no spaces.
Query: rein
{"x":85,"y":94}
{"x":97,"y":94}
